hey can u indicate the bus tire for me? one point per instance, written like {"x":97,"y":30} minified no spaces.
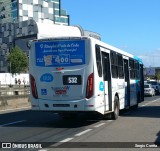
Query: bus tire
{"x":138,"y":97}
{"x":108,"y":116}
{"x":116,"y":108}
{"x":134,"y":107}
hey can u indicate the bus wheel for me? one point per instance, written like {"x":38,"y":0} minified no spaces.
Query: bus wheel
{"x":138,"y":97}
{"x":116,"y":108}
{"x":135,"y":107}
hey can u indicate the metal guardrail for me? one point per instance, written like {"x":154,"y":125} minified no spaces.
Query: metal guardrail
{"x":14,"y":90}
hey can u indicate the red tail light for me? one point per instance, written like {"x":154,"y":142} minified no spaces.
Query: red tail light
{"x":33,"y":87}
{"x":89,"y":89}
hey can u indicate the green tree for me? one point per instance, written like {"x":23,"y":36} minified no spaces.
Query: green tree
{"x":158,"y":76}
{"x":18,"y":60}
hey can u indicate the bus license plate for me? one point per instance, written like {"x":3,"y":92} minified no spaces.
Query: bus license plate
{"x":72,"y":80}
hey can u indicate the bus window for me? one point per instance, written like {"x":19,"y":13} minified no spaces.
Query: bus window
{"x":120,"y":67}
{"x":98,"y":60}
{"x":114,"y":66}
{"x":137,"y":70}
{"x":132,"y":69}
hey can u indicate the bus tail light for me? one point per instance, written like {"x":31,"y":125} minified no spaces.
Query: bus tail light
{"x":33,"y":87}
{"x":89,"y":89}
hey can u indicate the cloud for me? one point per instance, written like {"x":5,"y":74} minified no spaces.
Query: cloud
{"x":158,"y":49}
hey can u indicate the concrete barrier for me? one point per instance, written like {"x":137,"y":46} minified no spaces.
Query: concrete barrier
{"x":14,"y":101}
{"x":14,"y":91}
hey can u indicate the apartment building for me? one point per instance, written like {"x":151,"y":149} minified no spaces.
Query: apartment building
{"x":44,"y":11}
{"x":18,"y":19}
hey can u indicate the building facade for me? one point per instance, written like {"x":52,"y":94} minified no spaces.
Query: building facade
{"x":18,"y":20}
{"x":151,"y":73}
{"x":44,"y":11}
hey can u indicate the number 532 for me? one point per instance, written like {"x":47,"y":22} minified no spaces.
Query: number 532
{"x":72,"y":80}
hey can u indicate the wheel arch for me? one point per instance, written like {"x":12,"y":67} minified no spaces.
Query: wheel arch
{"x":116,"y":107}
{"x":116,"y":95}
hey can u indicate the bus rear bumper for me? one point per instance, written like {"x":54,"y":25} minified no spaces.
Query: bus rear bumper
{"x":82,"y":105}
{"x":49,"y":105}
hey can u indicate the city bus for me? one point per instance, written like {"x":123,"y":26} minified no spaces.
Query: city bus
{"x":72,"y":75}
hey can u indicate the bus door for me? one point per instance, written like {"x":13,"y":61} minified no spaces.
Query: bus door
{"x":141,"y":83}
{"x":107,"y":81}
{"x":127,"y":83}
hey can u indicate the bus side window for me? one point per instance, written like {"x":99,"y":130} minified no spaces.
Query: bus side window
{"x":114,"y":64}
{"x":120,"y":67}
{"x":137,"y":70}
{"x":132,"y":69}
{"x":98,"y":61}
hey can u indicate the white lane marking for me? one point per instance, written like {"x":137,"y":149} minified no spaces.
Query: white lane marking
{"x":109,"y":120}
{"x":66,"y":140}
{"x":99,"y":125}
{"x":83,"y":132}
{"x":149,"y":103}
{"x":13,"y":123}
{"x":61,"y":142}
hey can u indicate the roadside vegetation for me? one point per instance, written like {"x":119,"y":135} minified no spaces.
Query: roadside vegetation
{"x":18,"y":61}
{"x":157,"y":76}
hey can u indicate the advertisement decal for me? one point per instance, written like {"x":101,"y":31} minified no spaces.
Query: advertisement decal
{"x":60,"y":53}
{"x":101,"y":86}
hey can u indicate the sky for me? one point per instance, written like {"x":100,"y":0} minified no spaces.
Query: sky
{"x":131,"y":25}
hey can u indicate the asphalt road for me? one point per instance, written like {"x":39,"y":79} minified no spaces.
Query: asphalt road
{"x":134,"y":128}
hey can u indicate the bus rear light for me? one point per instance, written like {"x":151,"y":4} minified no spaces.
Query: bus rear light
{"x":33,"y":87}
{"x":89,"y":88}
{"x":59,"y":69}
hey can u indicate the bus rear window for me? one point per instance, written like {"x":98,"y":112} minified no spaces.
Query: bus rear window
{"x":60,"y":53}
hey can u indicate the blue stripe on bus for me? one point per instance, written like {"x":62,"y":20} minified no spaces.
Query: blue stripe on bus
{"x":138,"y":59}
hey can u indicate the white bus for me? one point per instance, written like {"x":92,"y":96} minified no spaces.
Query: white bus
{"x":69,"y":75}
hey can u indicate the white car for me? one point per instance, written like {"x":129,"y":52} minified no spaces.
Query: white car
{"x":155,"y":86}
{"x":148,"y":90}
